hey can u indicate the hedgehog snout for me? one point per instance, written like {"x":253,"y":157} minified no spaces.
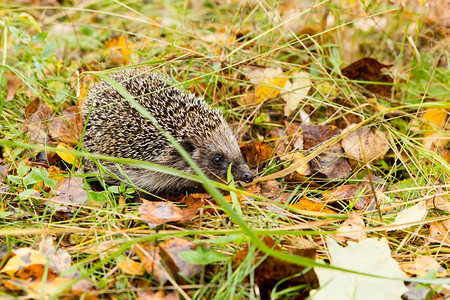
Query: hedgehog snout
{"x":247,"y":177}
{"x":243,"y":173}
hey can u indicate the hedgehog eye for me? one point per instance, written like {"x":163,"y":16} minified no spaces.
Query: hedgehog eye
{"x":217,"y":159}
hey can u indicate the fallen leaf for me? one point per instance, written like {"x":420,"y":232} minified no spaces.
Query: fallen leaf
{"x":68,"y":191}
{"x":22,"y":258}
{"x":440,"y":232}
{"x":374,"y":145}
{"x":270,"y":189}
{"x":68,"y":157}
{"x":270,"y":270}
{"x":296,"y":90}
{"x":309,"y":205}
{"x":36,"y":124}
{"x":331,"y":162}
{"x":255,"y":153}
{"x":369,"y":69}
{"x":367,"y":256}
{"x":193,"y":204}
{"x":288,"y":139}
{"x":68,"y":127}
{"x":422,"y":265}
{"x":436,"y":137}
{"x":13,"y":83}
{"x":163,"y":259}
{"x":103,"y":248}
{"x":268,"y":81}
{"x":314,"y":135}
{"x":131,"y":267}
{"x":159,"y":295}
{"x":414,"y":213}
{"x":359,"y":195}
{"x":118,"y":53}
{"x":59,"y":259}
{"x":301,"y":169}
{"x":439,"y":202}
{"x":352,"y":229}
{"x":157,"y":213}
{"x":435,"y":120}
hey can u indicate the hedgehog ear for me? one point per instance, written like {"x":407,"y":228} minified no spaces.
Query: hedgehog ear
{"x":188,"y":146}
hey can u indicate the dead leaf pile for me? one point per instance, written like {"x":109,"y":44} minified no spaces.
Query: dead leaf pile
{"x":37,"y":272}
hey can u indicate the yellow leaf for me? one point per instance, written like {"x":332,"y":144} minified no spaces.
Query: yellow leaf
{"x":131,"y":267}
{"x":23,"y":257}
{"x":270,"y":89}
{"x":435,"y":120}
{"x":66,"y":156}
{"x":118,"y":51}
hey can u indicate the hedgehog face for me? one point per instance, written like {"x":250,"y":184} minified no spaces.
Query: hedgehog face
{"x":219,"y":152}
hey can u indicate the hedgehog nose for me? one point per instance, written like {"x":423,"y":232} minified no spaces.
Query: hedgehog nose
{"x":247,"y":177}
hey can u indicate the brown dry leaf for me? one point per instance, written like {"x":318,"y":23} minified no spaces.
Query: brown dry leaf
{"x":50,"y":288}
{"x":422,"y":265}
{"x":369,"y":69}
{"x":131,"y":267}
{"x":270,"y":189}
{"x":343,"y":118}
{"x":439,"y":202}
{"x":288,"y":139}
{"x":13,"y":84}
{"x":59,"y":259}
{"x":255,"y":153}
{"x":68,"y":127}
{"x":175,"y":246}
{"x":35,"y":124}
{"x":296,"y":91}
{"x":104,"y":248}
{"x":193,"y":204}
{"x":4,"y":172}
{"x":349,"y":193}
{"x":165,"y":257}
{"x":314,"y":135}
{"x":157,"y":213}
{"x":440,"y":231}
{"x":330,"y":163}
{"x":374,"y":145}
{"x":269,"y":83}
{"x":149,"y":256}
{"x":54,"y":173}
{"x":118,"y":53}
{"x":310,"y":205}
{"x":351,"y":229}
{"x":68,"y":191}
{"x":159,"y":295}
{"x":272,"y":270}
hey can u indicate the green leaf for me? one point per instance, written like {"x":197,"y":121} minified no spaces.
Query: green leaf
{"x":37,"y":175}
{"x":49,"y":49}
{"x":29,"y":20}
{"x":101,"y":197}
{"x":202,"y":256}
{"x":22,"y":169}
{"x":227,"y":239}
{"x":28,"y":193}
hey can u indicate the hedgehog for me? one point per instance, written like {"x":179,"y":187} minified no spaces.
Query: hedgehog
{"x":115,"y":128}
